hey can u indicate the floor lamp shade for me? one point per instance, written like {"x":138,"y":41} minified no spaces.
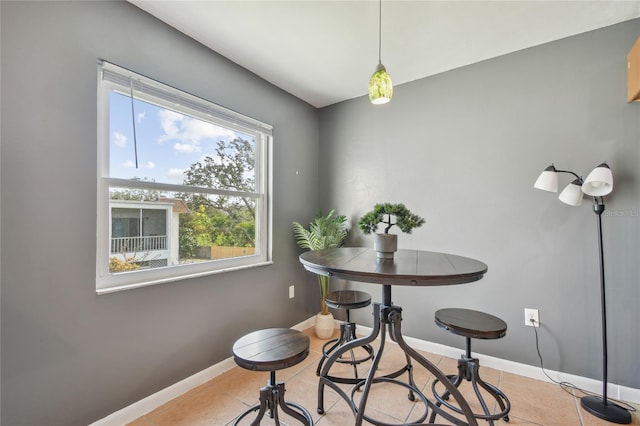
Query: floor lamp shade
{"x":599,"y":182}
{"x":548,"y":180}
{"x":572,"y":193}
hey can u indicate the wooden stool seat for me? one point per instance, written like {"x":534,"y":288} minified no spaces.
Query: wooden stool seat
{"x":347,"y":300}
{"x":469,"y":323}
{"x":270,"y":350}
{"x":472,"y":325}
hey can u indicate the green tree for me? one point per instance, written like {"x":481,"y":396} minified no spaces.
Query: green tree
{"x":233,"y":168}
{"x":219,"y":219}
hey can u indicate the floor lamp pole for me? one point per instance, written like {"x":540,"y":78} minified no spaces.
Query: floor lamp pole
{"x":601,"y":406}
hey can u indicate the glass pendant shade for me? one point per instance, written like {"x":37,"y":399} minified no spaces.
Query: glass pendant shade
{"x":572,"y":193}
{"x":380,"y":86}
{"x":548,"y":180}
{"x":599,"y":182}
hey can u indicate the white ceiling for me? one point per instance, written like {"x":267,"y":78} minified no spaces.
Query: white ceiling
{"x":325,"y":51}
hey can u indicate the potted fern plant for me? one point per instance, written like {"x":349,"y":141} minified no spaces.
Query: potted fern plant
{"x":324,"y":232}
{"x":386,"y":244}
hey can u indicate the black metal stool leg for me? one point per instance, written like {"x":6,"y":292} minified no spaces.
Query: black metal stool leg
{"x":498,"y":395}
{"x":334,"y":344}
{"x":468,"y":369}
{"x":474,"y":382}
{"x":299,"y":413}
{"x":455,"y":381}
{"x":347,"y":334}
{"x":265,"y":396}
{"x":272,"y":396}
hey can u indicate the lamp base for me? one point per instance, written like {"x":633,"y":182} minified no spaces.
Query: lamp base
{"x":606,"y":410}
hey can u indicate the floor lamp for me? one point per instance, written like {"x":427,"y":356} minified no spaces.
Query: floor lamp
{"x":597,"y":184}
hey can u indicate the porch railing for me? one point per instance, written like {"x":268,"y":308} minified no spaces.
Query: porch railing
{"x":138,"y":244}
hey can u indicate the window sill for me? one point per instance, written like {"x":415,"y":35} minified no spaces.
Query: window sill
{"x":133,"y":286}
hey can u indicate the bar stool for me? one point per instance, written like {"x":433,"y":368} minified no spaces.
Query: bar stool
{"x":476,"y":325}
{"x":347,"y":300}
{"x":270,"y":350}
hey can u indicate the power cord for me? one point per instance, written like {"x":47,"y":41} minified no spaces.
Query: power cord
{"x":566,"y":386}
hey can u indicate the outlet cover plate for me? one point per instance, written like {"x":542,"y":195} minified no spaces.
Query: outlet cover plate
{"x":530,"y":314}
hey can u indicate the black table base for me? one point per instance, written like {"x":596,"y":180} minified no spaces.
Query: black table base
{"x":388,"y":318}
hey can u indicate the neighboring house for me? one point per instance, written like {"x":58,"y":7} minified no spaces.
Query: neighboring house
{"x":146,"y":230}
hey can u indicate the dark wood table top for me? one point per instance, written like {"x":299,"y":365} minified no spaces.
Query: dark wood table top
{"x":409,"y":267}
{"x":271,"y":349}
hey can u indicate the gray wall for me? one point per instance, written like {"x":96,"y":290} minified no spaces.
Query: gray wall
{"x":463,"y":149}
{"x":68,"y":355}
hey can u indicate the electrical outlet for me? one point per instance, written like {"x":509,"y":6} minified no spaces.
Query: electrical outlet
{"x":531,"y":317}
{"x":291,"y":292}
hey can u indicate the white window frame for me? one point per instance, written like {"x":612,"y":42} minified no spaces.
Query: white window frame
{"x":112,"y":77}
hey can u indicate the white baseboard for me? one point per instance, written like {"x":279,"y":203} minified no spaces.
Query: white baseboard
{"x":144,"y":406}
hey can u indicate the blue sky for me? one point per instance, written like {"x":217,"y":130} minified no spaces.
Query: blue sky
{"x":167,"y":142}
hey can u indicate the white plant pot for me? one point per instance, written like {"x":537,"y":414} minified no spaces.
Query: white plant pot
{"x":324,"y":326}
{"x":385,"y":245}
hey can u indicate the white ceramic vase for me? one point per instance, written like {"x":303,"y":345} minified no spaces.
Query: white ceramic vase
{"x":324,"y":326}
{"x":385,"y":245}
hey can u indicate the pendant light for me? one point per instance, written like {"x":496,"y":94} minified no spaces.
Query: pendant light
{"x":380,"y":85}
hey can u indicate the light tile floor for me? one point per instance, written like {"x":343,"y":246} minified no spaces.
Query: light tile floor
{"x":219,"y":401}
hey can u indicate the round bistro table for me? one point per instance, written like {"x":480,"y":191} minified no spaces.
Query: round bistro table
{"x":408,"y":268}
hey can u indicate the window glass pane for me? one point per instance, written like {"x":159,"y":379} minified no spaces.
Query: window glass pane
{"x":152,"y":228}
{"x":154,"y":222}
{"x":124,"y":222}
{"x":176,"y":148}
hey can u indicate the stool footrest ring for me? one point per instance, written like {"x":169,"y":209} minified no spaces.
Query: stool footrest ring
{"x":347,"y":334}
{"x":272,"y":396}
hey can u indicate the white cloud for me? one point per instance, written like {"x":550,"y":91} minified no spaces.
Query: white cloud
{"x":170,"y":122}
{"x":119,"y":139}
{"x":197,"y":130}
{"x":129,"y":164}
{"x":141,"y":116}
{"x":150,"y":165}
{"x":188,"y":132}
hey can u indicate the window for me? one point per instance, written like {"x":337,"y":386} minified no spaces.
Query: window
{"x":183,"y":184}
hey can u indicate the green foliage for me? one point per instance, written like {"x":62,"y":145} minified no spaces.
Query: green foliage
{"x":324,"y":232}
{"x":382,"y":213}
{"x":223,"y":220}
{"x":212,"y":227}
{"x":187,"y":242}
{"x":231,"y":169}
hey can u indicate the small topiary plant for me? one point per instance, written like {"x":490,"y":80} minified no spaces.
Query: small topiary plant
{"x":383,"y":213}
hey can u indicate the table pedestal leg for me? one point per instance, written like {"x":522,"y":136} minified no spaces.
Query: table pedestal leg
{"x":382,"y":317}
{"x":396,"y":334}
{"x":386,"y":316}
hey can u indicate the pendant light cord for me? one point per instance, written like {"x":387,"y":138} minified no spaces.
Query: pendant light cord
{"x":380,"y":32}
{"x":133,"y":122}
